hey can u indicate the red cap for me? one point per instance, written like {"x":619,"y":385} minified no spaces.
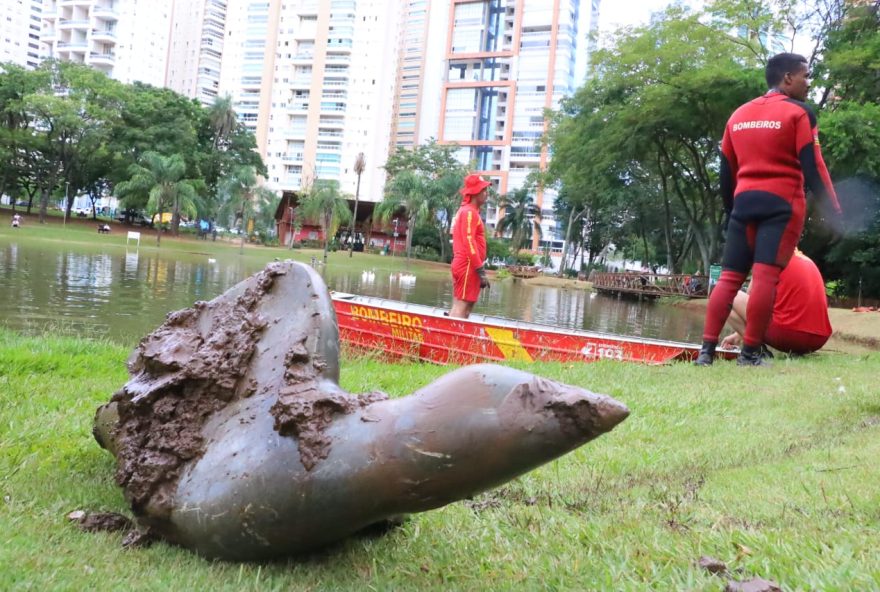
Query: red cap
{"x":473,"y":184}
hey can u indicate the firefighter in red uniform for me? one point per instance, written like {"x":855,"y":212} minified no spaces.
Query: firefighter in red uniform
{"x":468,"y":248}
{"x":770,"y":148}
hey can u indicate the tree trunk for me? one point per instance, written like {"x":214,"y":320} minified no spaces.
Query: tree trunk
{"x":409,"y":227}
{"x":565,"y":244}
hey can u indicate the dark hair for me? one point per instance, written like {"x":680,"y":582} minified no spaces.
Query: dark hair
{"x":780,"y":65}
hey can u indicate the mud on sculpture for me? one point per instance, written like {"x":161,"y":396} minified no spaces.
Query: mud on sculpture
{"x":234,"y":439}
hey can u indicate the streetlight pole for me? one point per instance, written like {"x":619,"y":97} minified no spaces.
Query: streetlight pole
{"x":359,"y":165}
{"x":394,"y":245}
{"x":66,"y":201}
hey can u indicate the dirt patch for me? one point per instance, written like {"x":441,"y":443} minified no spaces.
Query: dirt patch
{"x":100,"y":521}
{"x":303,"y":411}
{"x":712,"y":565}
{"x":753,"y":585}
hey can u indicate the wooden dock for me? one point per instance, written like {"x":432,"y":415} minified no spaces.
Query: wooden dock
{"x":651,"y":285}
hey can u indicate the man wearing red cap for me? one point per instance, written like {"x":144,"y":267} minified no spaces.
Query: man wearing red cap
{"x":468,"y":248}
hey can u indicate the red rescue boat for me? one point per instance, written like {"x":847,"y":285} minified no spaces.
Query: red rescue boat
{"x":414,"y":331}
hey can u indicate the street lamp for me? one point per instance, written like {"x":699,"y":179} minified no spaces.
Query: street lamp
{"x":394,"y":246}
{"x":359,"y":165}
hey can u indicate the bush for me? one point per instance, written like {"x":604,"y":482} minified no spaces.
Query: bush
{"x":525,"y":259}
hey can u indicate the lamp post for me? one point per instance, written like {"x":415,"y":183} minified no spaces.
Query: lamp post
{"x":359,"y":165}
{"x":66,"y":201}
{"x":394,"y":245}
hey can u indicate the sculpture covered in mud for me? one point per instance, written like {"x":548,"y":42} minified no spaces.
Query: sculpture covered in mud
{"x":233,"y":438}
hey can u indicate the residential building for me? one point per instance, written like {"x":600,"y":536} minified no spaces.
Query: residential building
{"x":195,"y":48}
{"x":416,"y":111}
{"x":125,"y":39}
{"x":20,"y":26}
{"x":311,"y":79}
{"x":506,"y":63}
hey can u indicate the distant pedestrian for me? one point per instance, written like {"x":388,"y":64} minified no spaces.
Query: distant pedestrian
{"x":16,"y":220}
{"x":469,"y":248}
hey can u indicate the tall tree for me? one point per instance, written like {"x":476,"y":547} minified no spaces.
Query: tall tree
{"x":161,"y":179}
{"x":407,"y":191}
{"x":327,"y":204}
{"x":519,"y":218}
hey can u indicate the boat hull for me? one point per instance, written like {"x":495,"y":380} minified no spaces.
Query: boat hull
{"x":403,"y":330}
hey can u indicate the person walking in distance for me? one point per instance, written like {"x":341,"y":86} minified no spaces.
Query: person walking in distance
{"x":769,"y":150}
{"x":469,"y":248}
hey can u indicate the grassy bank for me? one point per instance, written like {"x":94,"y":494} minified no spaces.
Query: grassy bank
{"x":81,"y":234}
{"x":771,"y":470}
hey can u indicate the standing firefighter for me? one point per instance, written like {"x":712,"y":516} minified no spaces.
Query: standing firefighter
{"x":469,"y":248}
{"x":770,"y":148}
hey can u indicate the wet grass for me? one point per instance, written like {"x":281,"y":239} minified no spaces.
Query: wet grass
{"x":772,"y":471}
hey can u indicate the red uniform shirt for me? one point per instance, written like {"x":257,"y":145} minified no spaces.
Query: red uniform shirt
{"x":468,"y":252}
{"x":801,"y":303}
{"x":469,"y":237}
{"x":772,"y":144}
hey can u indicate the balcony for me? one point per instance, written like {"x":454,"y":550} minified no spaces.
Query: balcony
{"x":342,"y":6}
{"x":292,"y":158}
{"x":105,"y":12}
{"x":73,"y":46}
{"x":295,"y":132}
{"x":340,"y":45}
{"x":335,"y":58}
{"x":330,"y":122}
{"x":102,"y":59}
{"x":103,"y":35}
{"x":301,"y":82}
{"x":293,"y":181}
{"x":298,"y":107}
{"x":73,"y":23}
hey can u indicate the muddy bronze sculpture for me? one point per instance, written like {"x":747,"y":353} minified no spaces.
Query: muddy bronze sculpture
{"x":233,"y":438}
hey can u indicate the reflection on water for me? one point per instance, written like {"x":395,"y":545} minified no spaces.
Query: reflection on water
{"x":124,"y":295}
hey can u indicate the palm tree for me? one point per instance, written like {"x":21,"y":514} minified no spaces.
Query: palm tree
{"x":235,"y":193}
{"x":222,"y":118}
{"x":519,"y":216}
{"x":409,"y":191}
{"x":360,"y":164}
{"x":161,"y":179}
{"x":443,"y":200}
{"x":326,"y":203}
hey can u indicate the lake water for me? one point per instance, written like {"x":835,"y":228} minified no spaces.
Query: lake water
{"x":124,"y":294}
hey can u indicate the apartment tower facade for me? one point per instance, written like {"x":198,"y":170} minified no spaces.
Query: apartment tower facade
{"x":506,"y":62}
{"x":125,"y":39}
{"x":311,"y":79}
{"x":20,"y":29}
{"x":195,"y":48}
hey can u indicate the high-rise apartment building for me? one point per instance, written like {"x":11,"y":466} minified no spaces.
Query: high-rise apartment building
{"x":416,"y":110}
{"x":195,"y":48}
{"x":126,"y":39}
{"x":315,"y":81}
{"x":506,"y":62}
{"x":20,"y":24}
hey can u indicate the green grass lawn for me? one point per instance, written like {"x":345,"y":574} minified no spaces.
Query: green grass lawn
{"x":773,"y":471}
